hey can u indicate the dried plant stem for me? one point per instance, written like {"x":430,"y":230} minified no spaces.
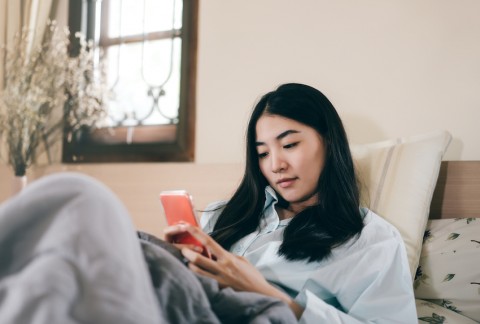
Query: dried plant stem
{"x":47,"y":91}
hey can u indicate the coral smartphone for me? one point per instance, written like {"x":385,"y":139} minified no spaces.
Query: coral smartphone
{"x":178,"y":207}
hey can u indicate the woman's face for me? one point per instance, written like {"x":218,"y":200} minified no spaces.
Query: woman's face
{"x":291,"y":156}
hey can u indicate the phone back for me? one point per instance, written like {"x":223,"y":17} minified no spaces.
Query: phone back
{"x":178,"y":207}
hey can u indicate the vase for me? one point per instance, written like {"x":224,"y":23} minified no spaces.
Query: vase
{"x":18,"y":183}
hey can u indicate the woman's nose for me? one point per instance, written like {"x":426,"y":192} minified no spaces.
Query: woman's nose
{"x":278,"y":163}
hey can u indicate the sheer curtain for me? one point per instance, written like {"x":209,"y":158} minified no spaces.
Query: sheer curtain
{"x":31,"y":14}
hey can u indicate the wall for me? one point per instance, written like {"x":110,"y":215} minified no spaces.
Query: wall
{"x":138,"y":185}
{"x":391,"y":68}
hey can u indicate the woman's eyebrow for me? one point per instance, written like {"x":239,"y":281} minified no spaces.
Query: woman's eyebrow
{"x":280,"y":136}
{"x":286,"y":133}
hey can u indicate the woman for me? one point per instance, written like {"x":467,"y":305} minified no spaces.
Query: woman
{"x":294,"y":229}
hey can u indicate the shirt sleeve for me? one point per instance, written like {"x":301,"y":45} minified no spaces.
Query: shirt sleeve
{"x":372,"y":285}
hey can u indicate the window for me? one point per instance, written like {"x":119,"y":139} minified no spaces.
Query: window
{"x":150,"y":50}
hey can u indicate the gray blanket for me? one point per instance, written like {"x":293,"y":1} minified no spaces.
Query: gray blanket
{"x":70,"y":254}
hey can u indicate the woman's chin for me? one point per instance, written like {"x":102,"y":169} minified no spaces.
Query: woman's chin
{"x":295,"y":198}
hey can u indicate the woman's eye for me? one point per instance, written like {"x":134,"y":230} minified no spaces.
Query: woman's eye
{"x":290,"y":145}
{"x":262,"y":155}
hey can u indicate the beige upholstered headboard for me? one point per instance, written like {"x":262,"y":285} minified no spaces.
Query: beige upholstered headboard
{"x":457,"y":193}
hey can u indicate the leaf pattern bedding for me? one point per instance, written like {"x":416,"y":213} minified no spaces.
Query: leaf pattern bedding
{"x":447,"y":281}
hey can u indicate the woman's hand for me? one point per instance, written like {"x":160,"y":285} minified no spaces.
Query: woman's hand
{"x":171,"y":232}
{"x":227,"y":269}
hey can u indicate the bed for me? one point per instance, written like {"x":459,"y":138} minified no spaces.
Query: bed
{"x":447,"y":281}
{"x":434,"y":204}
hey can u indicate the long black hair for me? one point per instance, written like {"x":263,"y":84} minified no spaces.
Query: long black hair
{"x":312,"y":233}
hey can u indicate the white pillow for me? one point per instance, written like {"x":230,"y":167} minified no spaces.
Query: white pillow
{"x":398,"y":178}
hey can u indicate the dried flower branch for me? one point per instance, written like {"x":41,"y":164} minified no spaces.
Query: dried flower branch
{"x":46,"y":91}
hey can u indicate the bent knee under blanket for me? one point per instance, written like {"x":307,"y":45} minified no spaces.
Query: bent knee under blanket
{"x":69,"y":254}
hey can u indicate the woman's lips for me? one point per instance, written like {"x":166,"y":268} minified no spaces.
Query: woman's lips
{"x":285,"y":183}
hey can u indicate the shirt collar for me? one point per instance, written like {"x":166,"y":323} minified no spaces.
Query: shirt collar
{"x":270,"y":213}
{"x":270,"y":196}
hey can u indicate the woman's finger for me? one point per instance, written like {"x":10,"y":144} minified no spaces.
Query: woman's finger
{"x":171,"y":231}
{"x":201,"y":261}
{"x":175,"y":229}
{"x":195,"y":248}
{"x":214,"y":248}
{"x":217,"y":277}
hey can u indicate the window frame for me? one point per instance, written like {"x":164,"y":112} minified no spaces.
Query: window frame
{"x":85,"y":148}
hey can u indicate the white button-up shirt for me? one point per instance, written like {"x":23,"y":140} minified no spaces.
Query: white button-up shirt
{"x":366,"y":280}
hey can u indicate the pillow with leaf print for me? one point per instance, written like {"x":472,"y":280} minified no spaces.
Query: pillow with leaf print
{"x":449,"y":268}
{"x":432,"y":313}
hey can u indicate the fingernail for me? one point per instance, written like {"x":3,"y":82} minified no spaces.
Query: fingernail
{"x":186,"y":252}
